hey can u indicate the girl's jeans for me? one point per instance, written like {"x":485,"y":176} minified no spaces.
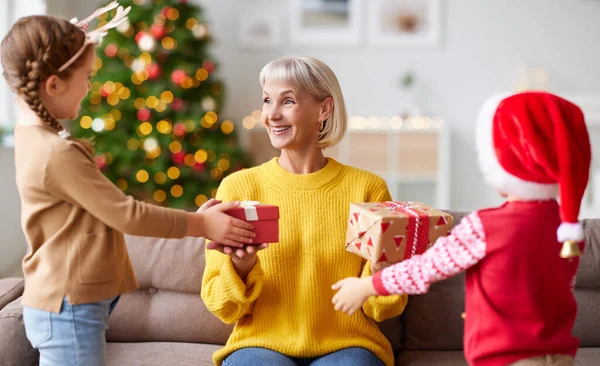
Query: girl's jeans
{"x":75,"y":337}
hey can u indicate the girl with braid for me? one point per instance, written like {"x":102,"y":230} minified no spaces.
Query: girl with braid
{"x":73,"y":217}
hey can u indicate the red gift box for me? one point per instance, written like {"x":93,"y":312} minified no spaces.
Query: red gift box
{"x":264,"y":218}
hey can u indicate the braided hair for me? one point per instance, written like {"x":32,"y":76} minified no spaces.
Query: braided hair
{"x":32,"y":51}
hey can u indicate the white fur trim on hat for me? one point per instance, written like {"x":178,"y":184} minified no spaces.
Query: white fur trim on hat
{"x":491,"y":168}
{"x":570,"y":231}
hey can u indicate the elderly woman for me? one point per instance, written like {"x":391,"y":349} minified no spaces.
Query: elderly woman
{"x":280,"y":298}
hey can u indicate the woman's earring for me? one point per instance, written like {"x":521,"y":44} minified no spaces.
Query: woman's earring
{"x":322,"y":126}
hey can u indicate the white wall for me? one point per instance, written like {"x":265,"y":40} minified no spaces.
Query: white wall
{"x":483,"y":44}
{"x":4,"y":91}
{"x":12,"y":242}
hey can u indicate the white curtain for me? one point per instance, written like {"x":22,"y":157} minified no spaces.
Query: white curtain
{"x":10,"y":11}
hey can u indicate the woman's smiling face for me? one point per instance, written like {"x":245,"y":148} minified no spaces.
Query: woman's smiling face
{"x":290,"y":115}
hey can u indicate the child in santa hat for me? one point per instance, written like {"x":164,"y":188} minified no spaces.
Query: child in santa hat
{"x":521,"y":258}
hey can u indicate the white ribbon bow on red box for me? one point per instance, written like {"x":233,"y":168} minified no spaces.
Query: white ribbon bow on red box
{"x":250,"y":210}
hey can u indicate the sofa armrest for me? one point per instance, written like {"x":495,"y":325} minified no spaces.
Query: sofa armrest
{"x":15,"y":349}
{"x":10,"y":290}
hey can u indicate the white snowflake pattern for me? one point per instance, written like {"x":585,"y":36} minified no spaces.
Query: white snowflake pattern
{"x":463,"y":248}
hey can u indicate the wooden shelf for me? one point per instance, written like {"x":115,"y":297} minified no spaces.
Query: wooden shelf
{"x":414,"y":154}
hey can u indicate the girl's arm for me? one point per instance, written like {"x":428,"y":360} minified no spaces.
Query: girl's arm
{"x":72,"y":176}
{"x":455,"y":253}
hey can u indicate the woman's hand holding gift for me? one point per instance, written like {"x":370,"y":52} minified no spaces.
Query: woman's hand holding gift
{"x":243,"y":258}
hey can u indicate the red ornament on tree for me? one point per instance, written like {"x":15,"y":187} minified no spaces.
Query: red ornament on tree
{"x":209,"y":66}
{"x":178,"y":158}
{"x":153,"y":71}
{"x":157,"y":31}
{"x":177,"y":76}
{"x":143,"y":114}
{"x":199,"y":167}
{"x":176,"y":104}
{"x":111,"y":50}
{"x":179,"y":129}
{"x":165,"y":10}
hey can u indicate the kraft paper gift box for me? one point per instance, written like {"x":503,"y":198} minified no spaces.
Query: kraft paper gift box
{"x":264,"y":218}
{"x":390,"y":232}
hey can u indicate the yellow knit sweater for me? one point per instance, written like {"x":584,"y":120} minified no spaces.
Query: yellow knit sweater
{"x":285,"y":303}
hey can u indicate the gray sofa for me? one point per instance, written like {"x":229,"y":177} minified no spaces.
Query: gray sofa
{"x":166,"y":323}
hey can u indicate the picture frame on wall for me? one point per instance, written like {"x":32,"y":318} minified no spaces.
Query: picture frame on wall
{"x":257,"y":29}
{"x":325,"y":22}
{"x":405,"y":23}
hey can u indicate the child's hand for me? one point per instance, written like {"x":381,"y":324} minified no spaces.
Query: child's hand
{"x":212,"y":223}
{"x":353,"y":293}
{"x":208,"y":204}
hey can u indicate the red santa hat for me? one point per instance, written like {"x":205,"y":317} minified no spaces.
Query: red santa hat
{"x":535,"y":145}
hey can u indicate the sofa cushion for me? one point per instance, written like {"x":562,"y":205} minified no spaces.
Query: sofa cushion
{"x":587,"y":323}
{"x":392,"y":329}
{"x":588,"y":356}
{"x":588,"y":276}
{"x":428,"y":358}
{"x":15,"y":349}
{"x":433,"y":321}
{"x":167,"y":307}
{"x":152,"y":315}
{"x":160,"y":354}
{"x":10,"y":289}
{"x":587,"y":288}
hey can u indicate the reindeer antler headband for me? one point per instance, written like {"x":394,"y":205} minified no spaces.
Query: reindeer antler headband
{"x":95,"y":36}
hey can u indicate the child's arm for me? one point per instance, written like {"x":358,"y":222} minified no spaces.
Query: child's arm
{"x":462,"y":249}
{"x":72,"y":176}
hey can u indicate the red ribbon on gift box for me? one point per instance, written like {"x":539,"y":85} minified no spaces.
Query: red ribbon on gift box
{"x":417,"y":230}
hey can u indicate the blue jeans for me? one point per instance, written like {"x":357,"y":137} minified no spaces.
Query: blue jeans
{"x":74,"y":337}
{"x":354,"y":356}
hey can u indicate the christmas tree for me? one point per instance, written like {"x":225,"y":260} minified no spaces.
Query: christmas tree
{"x":154,"y":108}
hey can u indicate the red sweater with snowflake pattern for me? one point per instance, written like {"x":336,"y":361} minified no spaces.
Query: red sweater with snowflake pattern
{"x":519,"y":291}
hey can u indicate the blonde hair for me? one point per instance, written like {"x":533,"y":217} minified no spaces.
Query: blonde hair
{"x":33,"y":50}
{"x":316,"y":78}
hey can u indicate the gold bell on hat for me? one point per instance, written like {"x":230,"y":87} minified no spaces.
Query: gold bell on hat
{"x":570,"y":249}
